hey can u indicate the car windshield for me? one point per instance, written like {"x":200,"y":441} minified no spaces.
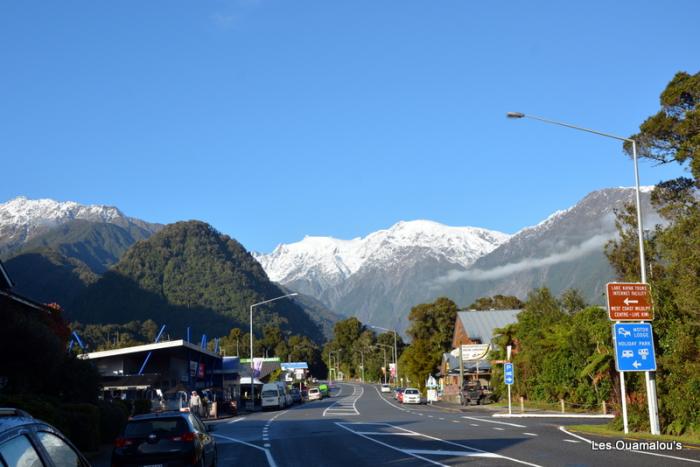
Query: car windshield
{"x":411,"y":391}
{"x":160,"y":426}
{"x":269,"y":393}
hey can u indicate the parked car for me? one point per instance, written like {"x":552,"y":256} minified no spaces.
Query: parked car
{"x":25,"y":440}
{"x":385,"y":388}
{"x":325,"y":392}
{"x":411,"y":396}
{"x":296,"y":395}
{"x":274,"y":395}
{"x":165,"y":438}
{"x":315,"y":394}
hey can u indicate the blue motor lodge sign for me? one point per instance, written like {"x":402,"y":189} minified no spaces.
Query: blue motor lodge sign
{"x":634,"y":347}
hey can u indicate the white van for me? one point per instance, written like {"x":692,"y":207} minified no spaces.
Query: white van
{"x":274,"y":395}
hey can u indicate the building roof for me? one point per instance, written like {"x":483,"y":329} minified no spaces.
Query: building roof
{"x":479,"y":325}
{"x":147,"y":348}
{"x":294,"y":366}
{"x":268,"y":366}
{"x":229,"y":366}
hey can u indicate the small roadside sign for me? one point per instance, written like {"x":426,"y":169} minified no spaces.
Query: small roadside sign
{"x":475,"y":351}
{"x":634,"y":347}
{"x":630,"y":301}
{"x":508,"y":375}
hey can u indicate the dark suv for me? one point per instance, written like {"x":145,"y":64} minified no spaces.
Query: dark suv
{"x":28,"y":442}
{"x":165,"y":439}
{"x":473,"y":393}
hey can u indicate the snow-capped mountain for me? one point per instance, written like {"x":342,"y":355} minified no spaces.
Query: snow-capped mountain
{"x":379,"y":278}
{"x":334,"y":270}
{"x":564,"y":251}
{"x":330,"y":260}
{"x":23,"y":219}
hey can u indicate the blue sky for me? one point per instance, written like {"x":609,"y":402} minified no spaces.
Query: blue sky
{"x":275,"y":119}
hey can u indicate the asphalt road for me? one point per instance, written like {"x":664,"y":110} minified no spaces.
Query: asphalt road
{"x":358,"y":426}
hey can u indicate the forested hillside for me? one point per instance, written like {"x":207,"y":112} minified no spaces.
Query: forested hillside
{"x":189,"y":274}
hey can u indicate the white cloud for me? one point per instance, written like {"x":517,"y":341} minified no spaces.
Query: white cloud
{"x":223,"y":21}
{"x":578,"y":251}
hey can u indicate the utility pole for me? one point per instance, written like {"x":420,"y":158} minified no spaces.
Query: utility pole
{"x":461,"y":373}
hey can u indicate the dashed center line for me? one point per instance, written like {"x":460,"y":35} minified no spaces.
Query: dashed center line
{"x":530,"y":434}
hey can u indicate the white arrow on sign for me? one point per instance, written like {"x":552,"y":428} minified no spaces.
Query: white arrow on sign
{"x":628,"y":301}
{"x":636,"y":364}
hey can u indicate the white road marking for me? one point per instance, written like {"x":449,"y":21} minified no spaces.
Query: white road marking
{"x":441,"y":418}
{"x":494,"y":421}
{"x":384,"y":433}
{"x":270,"y":460}
{"x":474,"y":424}
{"x":347,"y":405}
{"x":498,"y":428}
{"x":440,"y":452}
{"x":530,"y":434}
{"x":455,"y":421}
{"x":571,"y":441}
{"x":416,"y":453}
{"x":236,"y":420}
{"x":632,"y":450}
{"x":341,"y":425}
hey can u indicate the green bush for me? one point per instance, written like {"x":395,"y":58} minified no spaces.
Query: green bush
{"x":126,"y":405}
{"x":113,"y":417}
{"x":142,"y":406}
{"x":42,"y":408}
{"x":82,"y":425}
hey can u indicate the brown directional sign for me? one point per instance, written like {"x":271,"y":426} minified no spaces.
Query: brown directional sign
{"x":630,"y":301}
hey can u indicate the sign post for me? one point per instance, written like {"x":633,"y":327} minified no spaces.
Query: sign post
{"x":508,"y":378}
{"x":634,"y":347}
{"x":630,"y":301}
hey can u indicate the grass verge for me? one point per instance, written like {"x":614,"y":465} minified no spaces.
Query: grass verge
{"x":603,"y":430}
{"x":536,"y":405}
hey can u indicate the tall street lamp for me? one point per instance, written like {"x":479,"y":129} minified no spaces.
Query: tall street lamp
{"x":650,"y":377}
{"x":252,"y":371}
{"x":396,"y":355}
{"x":330,"y":363}
{"x":383,"y":347}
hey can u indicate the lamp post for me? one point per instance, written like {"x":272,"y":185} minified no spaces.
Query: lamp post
{"x":362,"y":374}
{"x":330,"y":363}
{"x":649,"y":376}
{"x":396,"y":355}
{"x":384,"y":347}
{"x":252,"y":372}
